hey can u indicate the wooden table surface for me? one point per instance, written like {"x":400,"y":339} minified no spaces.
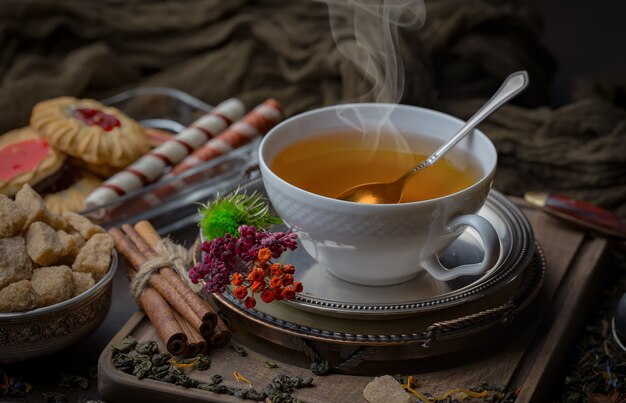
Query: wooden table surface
{"x":526,"y":354}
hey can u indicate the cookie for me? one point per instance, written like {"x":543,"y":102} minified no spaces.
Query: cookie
{"x":89,"y":130}
{"x":104,"y":171}
{"x":72,"y":198}
{"x":26,"y":158}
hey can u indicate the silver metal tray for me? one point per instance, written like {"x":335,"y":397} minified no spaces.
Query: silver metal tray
{"x":453,"y":314}
{"x":358,"y":340}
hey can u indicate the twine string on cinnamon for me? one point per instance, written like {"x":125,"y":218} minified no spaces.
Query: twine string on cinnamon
{"x":169,"y":254}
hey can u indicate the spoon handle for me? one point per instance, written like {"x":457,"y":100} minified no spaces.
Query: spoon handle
{"x":512,"y":86}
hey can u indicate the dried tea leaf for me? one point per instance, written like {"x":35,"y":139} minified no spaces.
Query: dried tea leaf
{"x":147,"y":363}
{"x":159,"y":372}
{"x":321,"y":368}
{"x":54,"y":397}
{"x":147,"y":347}
{"x":300,"y":383}
{"x":186,"y":381}
{"x":270,"y":364}
{"x":142,"y":369}
{"x":161,"y":359}
{"x":126,"y":345}
{"x":241,"y":393}
{"x":202,"y":362}
{"x":216,"y":379}
{"x":205,"y":386}
{"x":282,"y":387}
{"x":68,"y":381}
{"x":123,"y":362}
{"x":255,"y":395}
{"x":221,"y":389}
{"x":240,"y":350}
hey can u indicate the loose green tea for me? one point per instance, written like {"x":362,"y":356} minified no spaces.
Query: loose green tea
{"x":144,"y":361}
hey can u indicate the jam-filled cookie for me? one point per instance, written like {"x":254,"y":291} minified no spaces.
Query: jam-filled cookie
{"x":89,"y":130}
{"x":26,"y":157}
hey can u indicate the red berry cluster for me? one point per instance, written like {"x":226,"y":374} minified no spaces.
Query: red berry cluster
{"x":280,"y":285}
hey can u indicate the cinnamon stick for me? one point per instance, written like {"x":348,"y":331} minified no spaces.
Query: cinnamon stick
{"x":196,"y":343}
{"x":197,"y":304}
{"x":221,"y":335}
{"x":162,"y":317}
{"x":126,"y":248}
{"x":164,"y":287}
{"x":155,"y":307}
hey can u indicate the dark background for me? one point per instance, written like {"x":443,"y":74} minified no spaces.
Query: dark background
{"x":588,"y":41}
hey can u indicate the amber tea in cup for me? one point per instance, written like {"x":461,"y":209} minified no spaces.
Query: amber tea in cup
{"x":332,"y":162}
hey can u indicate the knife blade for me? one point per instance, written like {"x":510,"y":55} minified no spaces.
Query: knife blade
{"x":578,"y":212}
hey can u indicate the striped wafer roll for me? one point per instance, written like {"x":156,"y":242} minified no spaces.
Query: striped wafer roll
{"x":257,"y":122}
{"x":150,"y":167}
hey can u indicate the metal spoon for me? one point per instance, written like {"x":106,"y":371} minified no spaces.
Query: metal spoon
{"x":391,"y":192}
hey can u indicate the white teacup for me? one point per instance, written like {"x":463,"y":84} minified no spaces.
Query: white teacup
{"x":386,"y":243}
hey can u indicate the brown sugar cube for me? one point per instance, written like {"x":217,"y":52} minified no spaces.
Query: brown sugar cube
{"x":15,"y":264}
{"x":70,"y":243}
{"x":35,"y":209}
{"x":82,"y":282}
{"x":385,"y":389}
{"x":56,"y":221}
{"x":18,"y":297}
{"x":52,"y":284}
{"x":12,"y":217}
{"x":43,"y":245}
{"x":95,"y":256}
{"x":32,"y":203}
{"x":82,"y":225}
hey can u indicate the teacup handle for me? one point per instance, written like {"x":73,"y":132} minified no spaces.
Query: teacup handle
{"x":491,"y":246}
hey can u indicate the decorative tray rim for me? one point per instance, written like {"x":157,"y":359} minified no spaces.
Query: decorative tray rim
{"x":470,"y":323}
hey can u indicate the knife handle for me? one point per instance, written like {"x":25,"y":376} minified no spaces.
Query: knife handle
{"x":580,"y":212}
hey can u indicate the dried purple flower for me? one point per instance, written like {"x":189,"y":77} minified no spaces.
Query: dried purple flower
{"x":227,"y":255}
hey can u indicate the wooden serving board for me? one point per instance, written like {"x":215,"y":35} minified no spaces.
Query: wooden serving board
{"x":525,"y":354}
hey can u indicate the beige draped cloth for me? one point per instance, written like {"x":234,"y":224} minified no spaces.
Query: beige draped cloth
{"x":215,"y":49}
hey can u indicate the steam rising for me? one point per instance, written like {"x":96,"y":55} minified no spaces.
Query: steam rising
{"x":375,"y":25}
{"x":375,"y":48}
